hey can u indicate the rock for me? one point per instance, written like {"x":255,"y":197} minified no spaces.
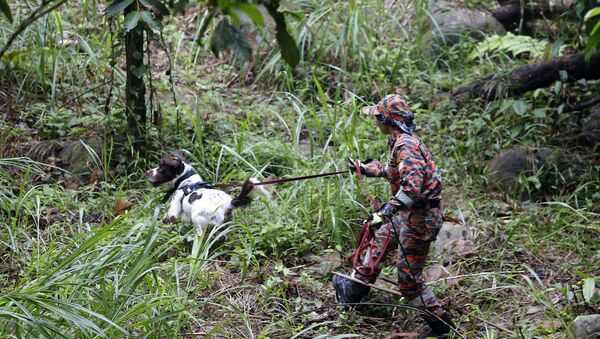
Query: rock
{"x":460,"y":248}
{"x":324,"y":264}
{"x":434,"y":273}
{"x":78,"y":159}
{"x":449,"y":233}
{"x":590,"y":130}
{"x":529,"y":173}
{"x":506,"y":167}
{"x":451,"y":21}
{"x":587,"y":326}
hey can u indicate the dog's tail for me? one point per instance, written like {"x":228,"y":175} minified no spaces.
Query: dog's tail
{"x":244,"y":198}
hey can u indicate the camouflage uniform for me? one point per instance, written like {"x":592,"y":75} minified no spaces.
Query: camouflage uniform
{"x":415,"y":183}
{"x":415,"y":211}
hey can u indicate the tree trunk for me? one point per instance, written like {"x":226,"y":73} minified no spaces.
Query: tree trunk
{"x":529,"y":77}
{"x":135,"y":89}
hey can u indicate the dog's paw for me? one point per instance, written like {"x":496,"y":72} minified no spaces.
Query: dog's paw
{"x":169,"y":219}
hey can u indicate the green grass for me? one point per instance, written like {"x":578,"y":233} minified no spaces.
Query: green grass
{"x":70,"y":267}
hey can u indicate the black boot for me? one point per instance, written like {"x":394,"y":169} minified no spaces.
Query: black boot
{"x":348,"y":291}
{"x":439,"y":329}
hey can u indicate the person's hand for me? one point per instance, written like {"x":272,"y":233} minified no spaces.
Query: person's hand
{"x":361,"y":165}
{"x":375,"y":220}
{"x":352,"y":165}
{"x":386,"y":211}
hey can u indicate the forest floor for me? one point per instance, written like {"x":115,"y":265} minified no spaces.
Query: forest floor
{"x":96,"y":240}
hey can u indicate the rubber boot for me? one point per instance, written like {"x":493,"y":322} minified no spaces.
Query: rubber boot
{"x":439,"y":329}
{"x":348,"y":291}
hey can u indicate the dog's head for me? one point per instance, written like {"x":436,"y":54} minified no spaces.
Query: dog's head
{"x":169,"y":169}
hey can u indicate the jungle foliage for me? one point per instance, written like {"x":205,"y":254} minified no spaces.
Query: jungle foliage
{"x":270,"y":88}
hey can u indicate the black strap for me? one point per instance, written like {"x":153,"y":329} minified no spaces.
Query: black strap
{"x":430,"y":203}
{"x":188,"y":189}
{"x":168,"y":195}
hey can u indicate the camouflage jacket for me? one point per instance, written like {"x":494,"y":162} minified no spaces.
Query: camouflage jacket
{"x":411,"y":171}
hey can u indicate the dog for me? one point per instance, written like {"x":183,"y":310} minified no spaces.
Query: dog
{"x":193,"y":200}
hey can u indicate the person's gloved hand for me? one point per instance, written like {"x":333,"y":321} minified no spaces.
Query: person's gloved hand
{"x":386,"y":211}
{"x":352,"y":165}
{"x":375,"y":219}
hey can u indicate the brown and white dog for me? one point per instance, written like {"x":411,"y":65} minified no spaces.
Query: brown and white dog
{"x":193,"y":200}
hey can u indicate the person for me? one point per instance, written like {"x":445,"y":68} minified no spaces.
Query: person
{"x":415,"y":207}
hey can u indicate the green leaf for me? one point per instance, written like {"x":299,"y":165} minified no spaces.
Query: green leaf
{"x":557,"y":87}
{"x":86,"y":47}
{"x":251,"y":11}
{"x":117,"y":7}
{"x":520,"y":107}
{"x":589,"y":288}
{"x":158,"y":5}
{"x":556,"y":46}
{"x":592,"y":13}
{"x":152,"y":22}
{"x":131,"y":20}
{"x":539,"y":113}
{"x":592,"y":42}
{"x":289,"y":50}
{"x":225,"y":37}
{"x":6,"y":10}
{"x":139,"y":72}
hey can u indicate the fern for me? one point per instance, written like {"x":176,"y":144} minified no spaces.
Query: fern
{"x":517,"y":45}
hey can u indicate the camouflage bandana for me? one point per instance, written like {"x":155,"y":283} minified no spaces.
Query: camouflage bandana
{"x":403,"y":126}
{"x":393,"y":110}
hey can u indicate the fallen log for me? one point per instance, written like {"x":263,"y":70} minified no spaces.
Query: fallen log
{"x":529,"y":77}
{"x":512,"y":12}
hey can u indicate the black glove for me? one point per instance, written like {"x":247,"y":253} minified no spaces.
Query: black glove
{"x":352,"y":165}
{"x":386,"y":211}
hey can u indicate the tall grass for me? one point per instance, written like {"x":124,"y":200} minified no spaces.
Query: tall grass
{"x":71,"y":268}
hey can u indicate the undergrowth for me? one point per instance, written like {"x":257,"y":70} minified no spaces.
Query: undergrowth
{"x":71,"y":266}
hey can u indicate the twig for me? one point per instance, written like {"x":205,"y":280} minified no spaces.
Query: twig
{"x":500,"y":327}
{"x":473,"y":275}
{"x":36,"y":14}
{"x":84,"y":93}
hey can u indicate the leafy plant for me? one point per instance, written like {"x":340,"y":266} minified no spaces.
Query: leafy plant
{"x":592,"y":22}
{"x":5,"y":10}
{"x":516,"y":45}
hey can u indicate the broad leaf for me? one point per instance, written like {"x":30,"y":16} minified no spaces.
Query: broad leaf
{"x":131,"y":20}
{"x":592,"y":13}
{"x":289,"y":50}
{"x":6,"y":10}
{"x":157,"y":4}
{"x":152,"y":22}
{"x":226,"y":37}
{"x":139,"y":72}
{"x":117,"y":7}
{"x":251,"y":11}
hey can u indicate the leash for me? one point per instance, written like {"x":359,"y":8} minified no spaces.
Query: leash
{"x":187,"y":189}
{"x":279,"y":181}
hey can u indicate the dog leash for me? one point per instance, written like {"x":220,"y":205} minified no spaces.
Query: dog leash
{"x":278,"y":181}
{"x":190,"y":188}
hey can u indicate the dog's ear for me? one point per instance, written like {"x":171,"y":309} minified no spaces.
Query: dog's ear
{"x":179,"y":155}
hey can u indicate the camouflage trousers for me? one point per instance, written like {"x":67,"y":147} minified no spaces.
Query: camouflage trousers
{"x":417,"y":229}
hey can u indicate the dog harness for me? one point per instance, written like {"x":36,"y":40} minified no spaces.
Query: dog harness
{"x":187,"y":189}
